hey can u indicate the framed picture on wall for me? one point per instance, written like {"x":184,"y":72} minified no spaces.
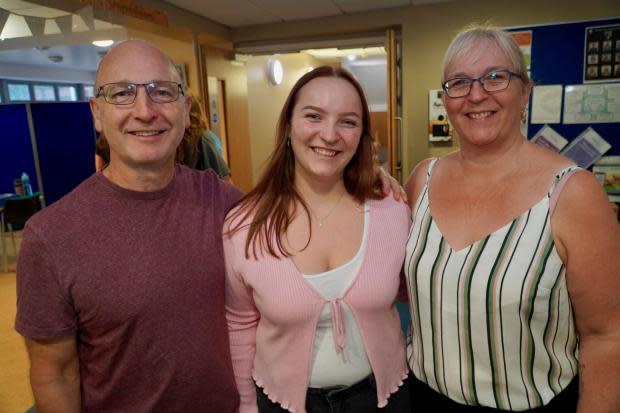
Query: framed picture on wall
{"x":601,"y":54}
{"x":182,"y":72}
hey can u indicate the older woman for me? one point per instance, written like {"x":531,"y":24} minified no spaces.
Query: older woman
{"x":313,"y":258}
{"x":512,"y":265}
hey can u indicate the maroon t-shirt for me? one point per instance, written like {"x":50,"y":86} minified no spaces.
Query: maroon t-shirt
{"x":138,"y":279}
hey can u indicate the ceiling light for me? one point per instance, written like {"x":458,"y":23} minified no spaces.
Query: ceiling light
{"x":275,"y":71}
{"x":339,"y":53}
{"x":103,"y":43}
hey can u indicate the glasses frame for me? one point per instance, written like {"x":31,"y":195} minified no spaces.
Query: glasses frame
{"x":146,"y":89}
{"x":480,"y":80}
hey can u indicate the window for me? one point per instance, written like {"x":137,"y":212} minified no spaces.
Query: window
{"x":67,"y":93}
{"x":89,"y":91}
{"x":18,"y":92}
{"x":44,"y":92}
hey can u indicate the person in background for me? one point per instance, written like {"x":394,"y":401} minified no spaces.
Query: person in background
{"x":313,"y":260}
{"x":217,"y":141}
{"x":198,"y":150}
{"x":512,"y":260}
{"x":102,"y":153}
{"x":120,"y":284}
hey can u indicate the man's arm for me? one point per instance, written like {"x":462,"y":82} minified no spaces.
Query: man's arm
{"x":55,"y":375}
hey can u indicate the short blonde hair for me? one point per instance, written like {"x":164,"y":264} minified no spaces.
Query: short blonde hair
{"x":471,"y":42}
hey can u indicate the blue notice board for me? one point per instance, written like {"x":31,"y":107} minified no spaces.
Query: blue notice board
{"x":66,"y":146}
{"x":558,"y":59}
{"x":16,"y":154}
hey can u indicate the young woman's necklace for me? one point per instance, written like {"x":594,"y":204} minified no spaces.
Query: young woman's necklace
{"x":321,"y":221}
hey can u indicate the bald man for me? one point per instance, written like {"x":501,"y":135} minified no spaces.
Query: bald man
{"x":120,"y":283}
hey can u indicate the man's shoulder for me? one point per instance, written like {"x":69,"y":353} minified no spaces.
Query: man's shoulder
{"x":67,"y":206}
{"x":206,"y":184}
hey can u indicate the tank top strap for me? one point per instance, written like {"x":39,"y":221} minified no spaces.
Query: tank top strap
{"x":429,"y":170}
{"x":558,"y":184}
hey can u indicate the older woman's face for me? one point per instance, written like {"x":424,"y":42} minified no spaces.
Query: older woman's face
{"x":482,"y":118}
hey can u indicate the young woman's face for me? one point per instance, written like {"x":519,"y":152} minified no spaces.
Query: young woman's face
{"x":325,"y":128}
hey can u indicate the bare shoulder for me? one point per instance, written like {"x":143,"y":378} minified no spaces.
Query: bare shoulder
{"x":415,"y":181}
{"x":584,"y":217}
{"x":582,"y":190}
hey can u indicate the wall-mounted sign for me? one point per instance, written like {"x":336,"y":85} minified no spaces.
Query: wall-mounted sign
{"x":524,"y":40}
{"x":439,"y":129}
{"x":131,"y":8}
{"x":602,"y":54}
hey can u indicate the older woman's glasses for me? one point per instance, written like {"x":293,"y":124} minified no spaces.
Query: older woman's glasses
{"x":123,"y":93}
{"x":494,"y":81}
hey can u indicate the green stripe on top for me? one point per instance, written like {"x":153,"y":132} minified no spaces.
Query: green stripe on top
{"x":470,"y":371}
{"x":523,"y":221}
{"x":535,"y":272}
{"x":493,"y":313}
{"x":418,"y":346}
{"x":460,"y":311}
{"x":436,"y":330}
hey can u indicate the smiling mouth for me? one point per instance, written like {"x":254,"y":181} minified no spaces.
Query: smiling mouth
{"x":146,"y":133}
{"x":324,"y":151}
{"x":480,"y":115}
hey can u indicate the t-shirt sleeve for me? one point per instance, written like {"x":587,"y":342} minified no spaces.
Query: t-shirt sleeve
{"x":230,"y":194}
{"x":44,"y":309}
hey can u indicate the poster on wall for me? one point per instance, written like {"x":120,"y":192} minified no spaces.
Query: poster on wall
{"x":607,"y":170}
{"x":546,"y":104}
{"x":524,"y":40}
{"x":549,"y":138}
{"x":602,"y":54}
{"x":586,"y":148}
{"x":594,"y":103}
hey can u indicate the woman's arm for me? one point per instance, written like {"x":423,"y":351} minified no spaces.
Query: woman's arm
{"x":588,"y":241}
{"x":242,"y":318}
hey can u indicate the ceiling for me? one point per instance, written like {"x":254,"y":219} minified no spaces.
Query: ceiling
{"x":77,"y":52}
{"x":240,"y":13}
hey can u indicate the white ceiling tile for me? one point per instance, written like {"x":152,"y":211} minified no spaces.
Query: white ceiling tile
{"x":355,"y":6}
{"x":289,"y":10}
{"x":232,"y":13}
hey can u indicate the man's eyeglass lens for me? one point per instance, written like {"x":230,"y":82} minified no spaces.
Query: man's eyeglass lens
{"x":125,"y":93}
{"x":494,"y":81}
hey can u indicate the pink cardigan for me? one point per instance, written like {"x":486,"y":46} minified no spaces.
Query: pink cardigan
{"x":272,"y":314}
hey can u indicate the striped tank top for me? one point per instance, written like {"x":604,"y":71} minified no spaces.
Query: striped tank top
{"x":492,"y":324}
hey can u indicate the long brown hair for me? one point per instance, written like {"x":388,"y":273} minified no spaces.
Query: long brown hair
{"x":187,"y":151}
{"x":270,"y":207}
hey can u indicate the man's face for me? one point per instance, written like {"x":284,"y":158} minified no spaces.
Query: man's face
{"x":144,"y":134}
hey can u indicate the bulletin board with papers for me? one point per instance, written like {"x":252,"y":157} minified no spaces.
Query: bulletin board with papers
{"x":567,"y":105}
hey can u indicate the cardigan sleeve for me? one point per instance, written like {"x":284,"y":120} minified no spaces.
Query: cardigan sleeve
{"x":242,"y":318}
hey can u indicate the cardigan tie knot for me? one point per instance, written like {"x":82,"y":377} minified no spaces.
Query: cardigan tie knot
{"x":338,"y":323}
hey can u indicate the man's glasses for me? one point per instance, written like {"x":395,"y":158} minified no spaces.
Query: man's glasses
{"x":123,"y":93}
{"x":494,"y":81}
